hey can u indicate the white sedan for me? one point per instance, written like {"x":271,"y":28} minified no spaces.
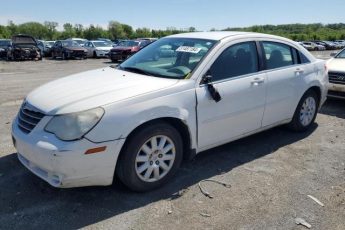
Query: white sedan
{"x":336,"y":73}
{"x":140,"y":119}
{"x":98,"y":48}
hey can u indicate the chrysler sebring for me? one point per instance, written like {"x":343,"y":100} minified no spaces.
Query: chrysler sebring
{"x":139,"y":120}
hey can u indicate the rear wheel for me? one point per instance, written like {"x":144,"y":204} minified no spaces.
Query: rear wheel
{"x":151,"y":157}
{"x":306,"y":112}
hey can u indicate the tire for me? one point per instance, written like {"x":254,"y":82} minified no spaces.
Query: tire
{"x":63,"y":56}
{"x":141,"y":166}
{"x":94,"y":54}
{"x":53,"y":56}
{"x":308,"y":105}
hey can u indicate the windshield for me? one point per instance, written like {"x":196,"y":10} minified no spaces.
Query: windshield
{"x":80,"y":42}
{"x":128,"y":43}
{"x":5,"y":42}
{"x":102,"y":44}
{"x":341,"y":54}
{"x":51,"y":43}
{"x":169,"y":57}
{"x":70,"y":43}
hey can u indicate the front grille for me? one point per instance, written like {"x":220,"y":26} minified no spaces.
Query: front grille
{"x":337,"y":77}
{"x":28,"y":118}
{"x":77,"y":53}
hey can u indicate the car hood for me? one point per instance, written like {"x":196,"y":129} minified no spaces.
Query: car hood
{"x":336,"y":64}
{"x":104,"y":48}
{"x":123,"y":47}
{"x":22,"y":39}
{"x":92,"y":89}
{"x":75,"y":48}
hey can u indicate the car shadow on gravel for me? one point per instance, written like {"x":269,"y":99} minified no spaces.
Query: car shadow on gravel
{"x":334,"y":107}
{"x":28,"y":202}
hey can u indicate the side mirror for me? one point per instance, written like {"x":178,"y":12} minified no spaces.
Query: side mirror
{"x":207,"y":79}
{"x":333,"y":54}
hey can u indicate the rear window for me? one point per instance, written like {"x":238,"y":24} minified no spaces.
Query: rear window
{"x":277,"y":55}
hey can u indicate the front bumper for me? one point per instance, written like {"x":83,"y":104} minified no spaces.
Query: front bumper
{"x":102,"y":53}
{"x":64,"y":164}
{"x":336,"y":90}
{"x":119,"y":55}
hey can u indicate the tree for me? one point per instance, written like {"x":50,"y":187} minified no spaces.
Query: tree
{"x":115,"y":30}
{"x":79,"y":30}
{"x":191,"y":29}
{"x":68,"y":31}
{"x":128,"y":31}
{"x":34,"y":29}
{"x":143,"y":33}
{"x":51,"y":27}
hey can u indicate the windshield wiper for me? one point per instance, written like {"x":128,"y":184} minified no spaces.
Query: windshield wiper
{"x":136,"y":70}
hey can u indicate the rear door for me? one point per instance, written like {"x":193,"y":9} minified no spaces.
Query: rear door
{"x":235,"y":74}
{"x":285,"y":76}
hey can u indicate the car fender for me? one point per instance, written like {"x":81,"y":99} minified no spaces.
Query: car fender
{"x":120,"y":119}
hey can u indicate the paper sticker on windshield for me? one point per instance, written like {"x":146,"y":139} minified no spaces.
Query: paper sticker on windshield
{"x":188,"y":49}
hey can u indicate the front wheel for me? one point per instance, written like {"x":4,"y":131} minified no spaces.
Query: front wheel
{"x":305,"y":113}
{"x":150,"y":157}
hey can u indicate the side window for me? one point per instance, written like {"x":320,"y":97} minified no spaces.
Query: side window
{"x":239,"y":59}
{"x":302,"y":58}
{"x":277,"y":55}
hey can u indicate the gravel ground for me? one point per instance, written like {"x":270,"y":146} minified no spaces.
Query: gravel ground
{"x":271,"y":175}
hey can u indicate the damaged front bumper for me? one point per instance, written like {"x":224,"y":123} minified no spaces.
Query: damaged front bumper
{"x":65,"y":164}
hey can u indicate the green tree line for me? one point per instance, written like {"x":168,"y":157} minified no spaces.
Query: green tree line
{"x":116,"y":30}
{"x":300,"y":32}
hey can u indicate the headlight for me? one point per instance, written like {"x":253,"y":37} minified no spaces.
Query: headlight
{"x":74,"y":126}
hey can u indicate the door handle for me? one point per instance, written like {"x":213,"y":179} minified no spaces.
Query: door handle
{"x":299,"y":70}
{"x":257,"y":81}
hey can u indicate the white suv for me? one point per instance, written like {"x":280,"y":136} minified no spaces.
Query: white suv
{"x":139,"y":120}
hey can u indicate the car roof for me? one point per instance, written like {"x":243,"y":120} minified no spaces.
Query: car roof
{"x":223,"y":35}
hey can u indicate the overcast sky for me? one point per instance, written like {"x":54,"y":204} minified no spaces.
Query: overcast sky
{"x":160,"y":14}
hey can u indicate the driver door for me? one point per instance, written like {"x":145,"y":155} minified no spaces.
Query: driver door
{"x":235,"y":74}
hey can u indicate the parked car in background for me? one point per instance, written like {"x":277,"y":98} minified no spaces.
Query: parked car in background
{"x":4,"y":45}
{"x":105,"y":40}
{"x":41,"y":46}
{"x":327,"y":45}
{"x":137,"y":121}
{"x":124,"y":49}
{"x":48,"y":46}
{"x":80,"y":41}
{"x":67,"y":49}
{"x":340,"y":44}
{"x":23,"y":47}
{"x":336,"y":75}
{"x":98,"y":48}
{"x":311,"y":46}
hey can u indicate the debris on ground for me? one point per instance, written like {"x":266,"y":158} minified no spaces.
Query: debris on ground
{"x":300,"y":221}
{"x":169,"y":212}
{"x":316,"y":200}
{"x":179,"y":193}
{"x":205,"y":214}
{"x":203,"y":191}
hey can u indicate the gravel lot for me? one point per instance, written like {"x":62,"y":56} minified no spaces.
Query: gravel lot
{"x":271,"y":175}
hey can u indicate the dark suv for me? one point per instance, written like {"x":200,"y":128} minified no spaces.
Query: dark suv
{"x":23,"y":47}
